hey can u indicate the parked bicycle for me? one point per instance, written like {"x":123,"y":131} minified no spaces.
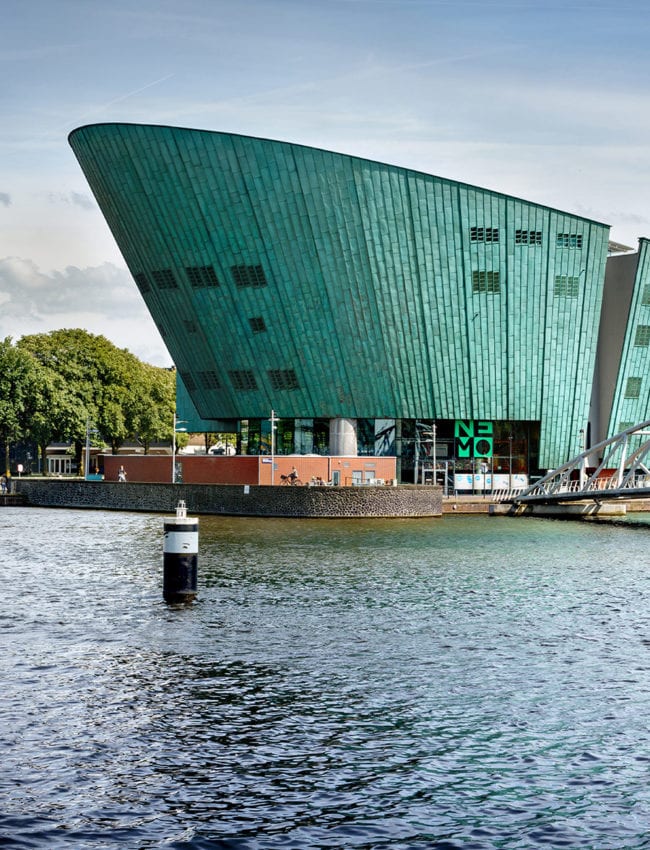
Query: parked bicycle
{"x":291,"y":479}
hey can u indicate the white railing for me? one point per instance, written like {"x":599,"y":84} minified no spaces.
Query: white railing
{"x":622,"y":468}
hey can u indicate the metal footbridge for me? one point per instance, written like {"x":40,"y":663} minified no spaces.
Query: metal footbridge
{"x":621,"y":474}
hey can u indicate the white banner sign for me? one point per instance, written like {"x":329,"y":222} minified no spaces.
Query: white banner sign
{"x":480,"y":482}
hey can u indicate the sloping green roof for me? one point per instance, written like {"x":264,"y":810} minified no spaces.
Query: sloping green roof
{"x":324,"y":285}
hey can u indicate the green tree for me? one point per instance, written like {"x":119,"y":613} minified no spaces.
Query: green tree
{"x":153,"y":403}
{"x":18,"y":381}
{"x":72,"y":355}
{"x":52,"y":412}
{"x":88,"y":379}
{"x":226,"y":439}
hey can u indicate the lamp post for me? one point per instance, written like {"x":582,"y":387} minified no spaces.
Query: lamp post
{"x":273,"y":420}
{"x":435,"y":455}
{"x":87,"y":458}
{"x":176,"y":423}
{"x":89,"y":431}
{"x":510,"y":464}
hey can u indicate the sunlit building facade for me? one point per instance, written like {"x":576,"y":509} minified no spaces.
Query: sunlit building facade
{"x":375,"y":309}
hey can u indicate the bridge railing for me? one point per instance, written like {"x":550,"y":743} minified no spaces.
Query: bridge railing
{"x":506,"y":494}
{"x":628,"y":463}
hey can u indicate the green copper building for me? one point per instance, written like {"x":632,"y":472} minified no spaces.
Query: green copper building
{"x":375,"y":309}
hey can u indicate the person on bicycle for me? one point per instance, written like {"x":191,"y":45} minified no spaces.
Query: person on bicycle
{"x":293,"y":475}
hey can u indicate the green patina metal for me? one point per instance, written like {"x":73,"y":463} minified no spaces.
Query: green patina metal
{"x":632,"y":393}
{"x":325,"y":285}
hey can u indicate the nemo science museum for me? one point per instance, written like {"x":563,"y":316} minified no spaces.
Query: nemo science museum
{"x":375,"y":309}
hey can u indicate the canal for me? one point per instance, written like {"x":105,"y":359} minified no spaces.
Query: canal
{"x":466,"y":682}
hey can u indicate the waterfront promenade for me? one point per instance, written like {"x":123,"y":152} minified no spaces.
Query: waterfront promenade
{"x":235,"y":500}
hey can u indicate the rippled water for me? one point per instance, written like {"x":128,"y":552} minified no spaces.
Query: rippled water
{"x":470,"y":682}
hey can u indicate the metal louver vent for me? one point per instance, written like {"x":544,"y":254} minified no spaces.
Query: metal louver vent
{"x":248,"y":276}
{"x":201,"y":277}
{"x":164,"y":279}
{"x":142,"y":282}
{"x":283,"y":379}
{"x":210,"y":380}
{"x":243,"y":379}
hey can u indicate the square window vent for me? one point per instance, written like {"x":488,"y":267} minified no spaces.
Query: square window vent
{"x":164,"y":279}
{"x":245,"y":276}
{"x":243,"y":379}
{"x":283,"y":379}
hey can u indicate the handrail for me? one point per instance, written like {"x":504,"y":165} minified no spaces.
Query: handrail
{"x":631,"y":473}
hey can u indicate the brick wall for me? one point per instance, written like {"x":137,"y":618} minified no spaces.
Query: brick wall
{"x":244,"y":469}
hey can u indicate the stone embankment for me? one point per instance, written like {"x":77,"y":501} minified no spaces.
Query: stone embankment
{"x":235,"y":500}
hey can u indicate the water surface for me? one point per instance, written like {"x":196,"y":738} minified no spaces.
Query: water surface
{"x":470,"y":682}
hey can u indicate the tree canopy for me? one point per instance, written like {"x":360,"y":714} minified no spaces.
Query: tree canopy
{"x":52,"y":386}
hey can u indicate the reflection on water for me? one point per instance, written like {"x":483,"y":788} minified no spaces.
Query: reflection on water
{"x":470,"y":682}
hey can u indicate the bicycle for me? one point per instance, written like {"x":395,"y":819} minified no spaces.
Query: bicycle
{"x":291,"y":481}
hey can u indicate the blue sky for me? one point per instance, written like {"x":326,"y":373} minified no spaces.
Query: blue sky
{"x":548,"y":101}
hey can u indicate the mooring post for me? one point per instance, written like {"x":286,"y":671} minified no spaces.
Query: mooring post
{"x":180,"y":557}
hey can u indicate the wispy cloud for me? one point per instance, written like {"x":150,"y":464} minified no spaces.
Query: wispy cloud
{"x":103,"y":299}
{"x":77,"y":199}
{"x":81,"y":200}
{"x":120,"y":98}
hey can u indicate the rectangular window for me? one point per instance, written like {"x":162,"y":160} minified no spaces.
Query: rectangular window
{"x":645,"y":298}
{"x":484,"y":234}
{"x":642,"y":337}
{"x":164,"y":279}
{"x":201,"y":276}
{"x":210,"y":380}
{"x":569,"y":240}
{"x":190,"y":326}
{"x":248,"y":276}
{"x":243,"y":379}
{"x":566,"y":285}
{"x":257,"y":323}
{"x":633,"y":388}
{"x":485,"y":281}
{"x":283,"y":379}
{"x":528,"y":237}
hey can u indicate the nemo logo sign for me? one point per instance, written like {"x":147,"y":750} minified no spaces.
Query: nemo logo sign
{"x":474,"y":438}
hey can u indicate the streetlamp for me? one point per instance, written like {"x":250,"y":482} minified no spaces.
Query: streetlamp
{"x":435,"y":455}
{"x":89,"y":431}
{"x":510,"y":464}
{"x":176,"y":422}
{"x":273,"y":420}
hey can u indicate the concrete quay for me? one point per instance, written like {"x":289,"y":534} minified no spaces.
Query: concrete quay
{"x":566,"y":510}
{"x":235,"y":500}
{"x":332,"y":502}
{"x":11,"y":500}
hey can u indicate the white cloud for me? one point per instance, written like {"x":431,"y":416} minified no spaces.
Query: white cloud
{"x":77,"y":199}
{"x":102,"y":299}
{"x":81,"y":200}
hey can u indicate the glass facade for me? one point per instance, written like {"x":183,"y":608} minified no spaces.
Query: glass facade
{"x":292,"y":436}
{"x":462,"y":447}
